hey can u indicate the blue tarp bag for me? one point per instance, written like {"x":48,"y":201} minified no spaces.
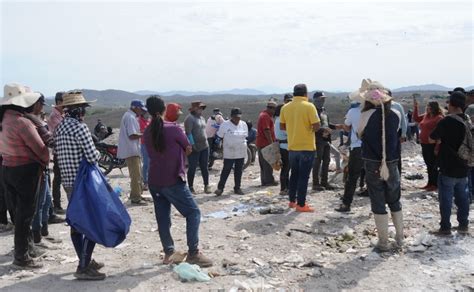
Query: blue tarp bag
{"x":95,"y":209}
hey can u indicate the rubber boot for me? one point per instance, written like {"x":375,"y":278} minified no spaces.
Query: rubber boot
{"x":381,"y":221}
{"x":397,"y":218}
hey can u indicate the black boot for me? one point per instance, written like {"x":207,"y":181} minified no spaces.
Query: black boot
{"x":36,"y":237}
{"x":44,"y":230}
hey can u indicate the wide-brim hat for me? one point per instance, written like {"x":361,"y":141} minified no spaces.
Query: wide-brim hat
{"x":376,"y":93}
{"x":75,"y":98}
{"x":19,"y":95}
{"x":195,"y":105}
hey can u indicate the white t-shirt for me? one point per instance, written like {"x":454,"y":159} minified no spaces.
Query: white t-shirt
{"x":352,"y":119}
{"x":126,"y":146}
{"x":235,"y":143}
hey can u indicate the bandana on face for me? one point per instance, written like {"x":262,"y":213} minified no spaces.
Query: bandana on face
{"x":77,"y":113}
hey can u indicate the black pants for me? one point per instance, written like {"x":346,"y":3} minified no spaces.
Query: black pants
{"x":56,"y":185}
{"x":323,"y":157}
{"x":362,"y":177}
{"x":354,"y":172}
{"x":6,"y":204}
{"x":285,"y":170}
{"x":22,"y":183}
{"x":238,"y":165}
{"x":429,"y":156}
{"x":266,"y":170}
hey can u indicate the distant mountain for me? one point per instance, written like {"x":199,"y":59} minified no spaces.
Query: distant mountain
{"x":426,"y":87}
{"x":111,"y":97}
{"x":236,"y":91}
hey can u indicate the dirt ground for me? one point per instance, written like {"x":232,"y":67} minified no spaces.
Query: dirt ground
{"x":324,"y":251}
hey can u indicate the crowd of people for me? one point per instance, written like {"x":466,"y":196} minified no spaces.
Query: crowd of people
{"x":162,"y":157}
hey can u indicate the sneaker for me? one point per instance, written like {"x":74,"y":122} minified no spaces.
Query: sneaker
{"x":59,"y":210}
{"x":306,"y":208}
{"x":343,"y":208}
{"x":239,"y":192}
{"x":441,"y":232}
{"x":318,"y":188}
{"x":207,"y":190}
{"x":284,"y":193}
{"x":199,"y":259}
{"x":55,"y":219}
{"x":36,"y":236}
{"x":218,"y":192}
{"x":328,"y":187}
{"x":363,"y":193}
{"x":271,"y":184}
{"x":27,"y":264}
{"x":176,"y":257}
{"x":36,"y":252}
{"x":463,"y":230}
{"x":89,"y":274}
{"x":292,"y":205}
{"x":52,"y":239}
{"x":96,"y":265}
{"x":44,"y":230}
{"x":139,"y":202}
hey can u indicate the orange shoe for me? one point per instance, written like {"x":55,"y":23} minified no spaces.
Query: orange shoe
{"x":305,"y":208}
{"x":292,"y":205}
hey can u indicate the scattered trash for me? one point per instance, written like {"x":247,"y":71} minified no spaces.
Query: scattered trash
{"x":228,"y":263}
{"x":250,"y":285}
{"x":347,"y":233}
{"x":312,"y":264}
{"x":416,"y":176}
{"x":187,"y":272}
{"x":272,"y":210}
{"x":259,"y":262}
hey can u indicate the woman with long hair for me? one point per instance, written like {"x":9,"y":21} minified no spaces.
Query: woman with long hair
{"x":167,"y":145}
{"x":427,"y":123}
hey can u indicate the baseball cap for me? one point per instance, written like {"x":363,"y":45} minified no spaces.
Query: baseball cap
{"x":139,"y":104}
{"x":459,"y":89}
{"x":236,"y":112}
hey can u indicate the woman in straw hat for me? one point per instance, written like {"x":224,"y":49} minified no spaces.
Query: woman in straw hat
{"x":378,"y":129}
{"x":25,"y":157}
{"x":73,"y":142}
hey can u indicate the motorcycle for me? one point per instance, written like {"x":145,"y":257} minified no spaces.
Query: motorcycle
{"x":108,"y":158}
{"x":217,"y":153}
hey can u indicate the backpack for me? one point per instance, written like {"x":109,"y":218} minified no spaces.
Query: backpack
{"x":466,"y":150}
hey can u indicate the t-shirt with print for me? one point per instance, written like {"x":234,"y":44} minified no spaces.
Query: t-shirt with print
{"x":298,"y":117}
{"x":352,"y":120}
{"x":196,"y":126}
{"x":451,"y":133}
{"x":235,"y":142}
{"x":126,"y":146}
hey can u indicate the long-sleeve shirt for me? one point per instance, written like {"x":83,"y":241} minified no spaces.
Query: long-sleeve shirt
{"x":426,"y":123}
{"x":20,"y":143}
{"x":403,"y":117}
{"x":55,"y":118}
{"x":73,"y":141}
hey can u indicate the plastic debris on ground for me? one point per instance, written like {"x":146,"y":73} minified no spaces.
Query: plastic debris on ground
{"x":188,"y":273}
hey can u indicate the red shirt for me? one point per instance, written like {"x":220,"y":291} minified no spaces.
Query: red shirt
{"x":143,"y":124}
{"x":20,"y":143}
{"x":426,"y":123}
{"x":265,"y":121}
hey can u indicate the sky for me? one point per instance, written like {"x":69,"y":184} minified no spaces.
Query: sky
{"x":268,"y":45}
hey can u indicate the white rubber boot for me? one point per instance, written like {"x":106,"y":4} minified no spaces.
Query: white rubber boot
{"x":397,"y":218}
{"x":381,"y":221}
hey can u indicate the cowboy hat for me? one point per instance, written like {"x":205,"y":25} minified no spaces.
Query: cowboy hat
{"x":195,"y":105}
{"x":19,"y":95}
{"x":75,"y":98}
{"x":376,"y":93}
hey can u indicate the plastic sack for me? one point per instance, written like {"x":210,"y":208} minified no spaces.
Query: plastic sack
{"x":187,"y":272}
{"x":95,"y":210}
{"x":272,"y":155}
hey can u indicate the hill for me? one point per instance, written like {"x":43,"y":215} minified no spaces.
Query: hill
{"x":235,"y":91}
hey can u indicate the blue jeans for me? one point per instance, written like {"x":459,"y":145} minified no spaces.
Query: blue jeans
{"x":449,"y":187}
{"x":471,"y":184}
{"x":43,"y":204}
{"x":146,"y":164}
{"x":202,"y":159}
{"x":181,"y":198}
{"x":383,"y":192}
{"x":301,"y":164}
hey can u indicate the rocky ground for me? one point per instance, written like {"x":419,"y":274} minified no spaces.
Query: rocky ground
{"x":257,"y":243}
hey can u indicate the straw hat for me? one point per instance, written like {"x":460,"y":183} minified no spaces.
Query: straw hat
{"x":19,"y":95}
{"x":74,"y":98}
{"x":376,"y":93}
